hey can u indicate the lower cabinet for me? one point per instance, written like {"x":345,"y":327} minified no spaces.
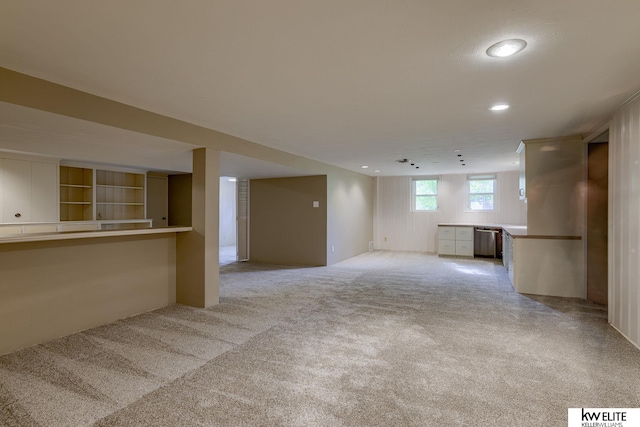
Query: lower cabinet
{"x":453,"y":240}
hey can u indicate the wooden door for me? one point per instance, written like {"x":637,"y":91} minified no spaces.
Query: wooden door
{"x":597,"y":222}
{"x":158,"y":200}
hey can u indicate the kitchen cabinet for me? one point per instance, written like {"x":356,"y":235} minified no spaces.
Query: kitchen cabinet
{"x":28,"y":191}
{"x":455,"y":240}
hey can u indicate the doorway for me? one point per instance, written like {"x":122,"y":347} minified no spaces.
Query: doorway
{"x":597,"y":219}
{"x":228,"y":239}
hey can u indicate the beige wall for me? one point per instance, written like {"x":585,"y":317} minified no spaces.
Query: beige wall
{"x":285,"y":228}
{"x":555,"y":186}
{"x":52,"y":289}
{"x":624,"y":221}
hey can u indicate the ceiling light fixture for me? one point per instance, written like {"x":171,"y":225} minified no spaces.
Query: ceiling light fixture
{"x":364,"y":166}
{"x":377,"y":171}
{"x":499,"y":107}
{"x":506,"y":48}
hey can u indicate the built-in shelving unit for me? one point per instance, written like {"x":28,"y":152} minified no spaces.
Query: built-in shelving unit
{"x":120,"y":195}
{"x":76,"y":194}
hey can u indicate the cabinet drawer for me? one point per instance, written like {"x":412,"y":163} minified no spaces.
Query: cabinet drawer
{"x":446,"y":233}
{"x":464,"y":248}
{"x":464,"y":233}
{"x":446,"y":247}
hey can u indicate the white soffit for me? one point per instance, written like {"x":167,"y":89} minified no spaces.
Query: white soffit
{"x":29,"y":131}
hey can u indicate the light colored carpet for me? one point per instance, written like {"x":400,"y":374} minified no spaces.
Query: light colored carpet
{"x":227,"y":255}
{"x":382,"y":339}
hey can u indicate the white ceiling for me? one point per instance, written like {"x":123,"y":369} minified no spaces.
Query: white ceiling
{"x":346,"y":82}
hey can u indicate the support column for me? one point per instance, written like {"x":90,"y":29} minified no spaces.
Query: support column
{"x":197,"y":276}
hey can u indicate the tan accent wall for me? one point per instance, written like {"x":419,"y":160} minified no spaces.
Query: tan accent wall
{"x":285,"y":227}
{"x":52,"y":289}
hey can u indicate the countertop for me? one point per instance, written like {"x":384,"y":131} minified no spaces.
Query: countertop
{"x":66,"y":235}
{"x":515,"y":231}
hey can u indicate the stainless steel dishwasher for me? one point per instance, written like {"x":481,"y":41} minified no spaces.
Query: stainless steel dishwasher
{"x":485,"y":242}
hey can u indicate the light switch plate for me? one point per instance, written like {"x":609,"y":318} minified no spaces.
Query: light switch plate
{"x":316,"y":204}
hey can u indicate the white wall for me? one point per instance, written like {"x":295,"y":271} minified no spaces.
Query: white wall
{"x":417,"y":231}
{"x":624,"y":221}
{"x":227,"y":212}
{"x":349,"y":214}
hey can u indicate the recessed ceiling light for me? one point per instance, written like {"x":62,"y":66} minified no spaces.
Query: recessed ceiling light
{"x":499,"y":107}
{"x":377,"y":171}
{"x":364,"y":166}
{"x":456,"y":150}
{"x":232,"y":180}
{"x":506,"y":48}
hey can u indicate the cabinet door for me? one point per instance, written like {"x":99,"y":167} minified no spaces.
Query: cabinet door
{"x":446,"y":233}
{"x":464,"y":248}
{"x":464,"y":233}
{"x":44,"y":191}
{"x":158,"y":200}
{"x":446,"y":247}
{"x":16,"y":190}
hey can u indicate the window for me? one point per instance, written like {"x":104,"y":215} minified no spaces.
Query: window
{"x":425,"y":194}
{"x":481,"y":193}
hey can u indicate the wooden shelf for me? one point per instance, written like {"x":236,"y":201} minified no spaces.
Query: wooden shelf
{"x":75,"y":186}
{"x":118,"y":203}
{"x":87,"y":195}
{"x":119,"y":186}
{"x":120,"y":195}
{"x":76,"y":194}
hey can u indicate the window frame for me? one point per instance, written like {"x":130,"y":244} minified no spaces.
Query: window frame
{"x":468,"y":193}
{"x":414,"y":194}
